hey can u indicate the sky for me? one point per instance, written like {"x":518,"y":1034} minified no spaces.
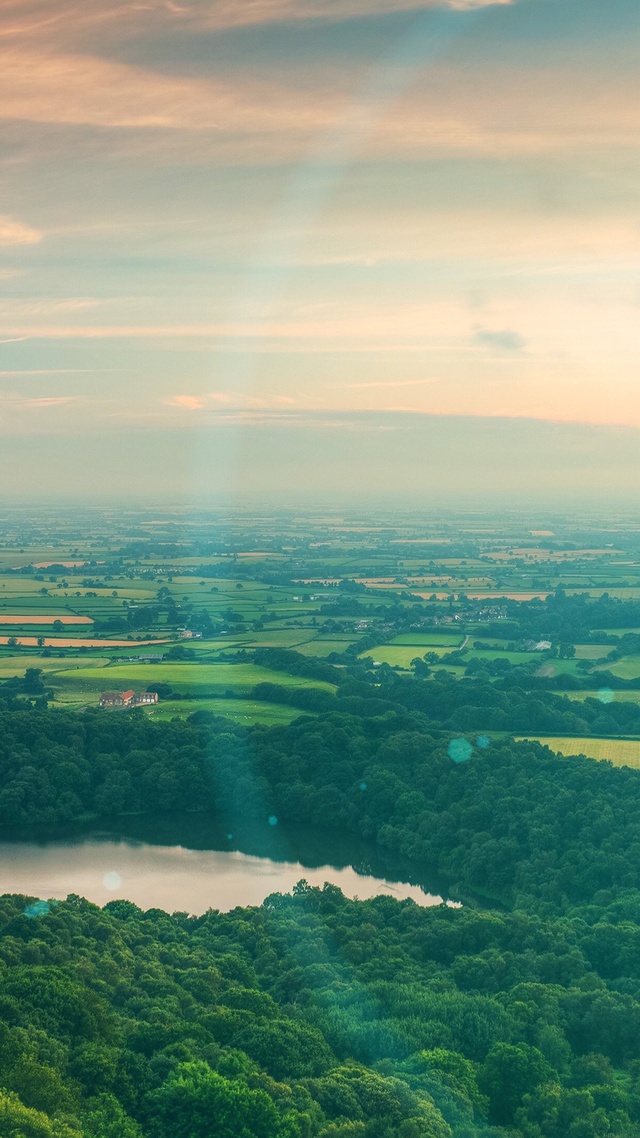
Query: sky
{"x":289,"y":248}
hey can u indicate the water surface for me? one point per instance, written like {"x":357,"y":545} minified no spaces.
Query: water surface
{"x":189,"y":864}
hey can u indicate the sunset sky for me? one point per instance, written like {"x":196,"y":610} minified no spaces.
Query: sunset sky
{"x":396,"y":241}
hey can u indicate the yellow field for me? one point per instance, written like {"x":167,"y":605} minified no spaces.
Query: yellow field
{"x":620,"y":752}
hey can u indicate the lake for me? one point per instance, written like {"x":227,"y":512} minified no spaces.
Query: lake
{"x":189,"y":864}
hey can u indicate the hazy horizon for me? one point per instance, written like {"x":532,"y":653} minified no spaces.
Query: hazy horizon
{"x":362,"y":458}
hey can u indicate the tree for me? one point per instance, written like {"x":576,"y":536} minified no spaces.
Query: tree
{"x":566,"y":651}
{"x":196,"y":1102}
{"x":33,"y":684}
{"x":508,"y":1074}
{"x":555,"y":1112}
{"x":107,"y":1119}
{"x":19,"y":1121}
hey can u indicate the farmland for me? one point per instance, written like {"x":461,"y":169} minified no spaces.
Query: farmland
{"x":203,"y":680}
{"x":187,"y":602}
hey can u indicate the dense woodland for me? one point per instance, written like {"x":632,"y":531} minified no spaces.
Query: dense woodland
{"x":313,"y":1016}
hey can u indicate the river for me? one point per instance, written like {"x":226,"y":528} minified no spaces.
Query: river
{"x":189,"y":864}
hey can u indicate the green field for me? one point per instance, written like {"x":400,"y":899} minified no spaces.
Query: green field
{"x":591,"y":651}
{"x":427,"y":640}
{"x":557,"y":667}
{"x":620,"y":752}
{"x":243,"y":711}
{"x":627,"y":669}
{"x":322,"y":648}
{"x":15,"y":665}
{"x":85,"y":684}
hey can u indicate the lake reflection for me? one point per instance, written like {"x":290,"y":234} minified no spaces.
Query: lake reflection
{"x":174,"y":871}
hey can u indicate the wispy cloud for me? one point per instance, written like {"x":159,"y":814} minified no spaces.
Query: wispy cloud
{"x":186,"y":402}
{"x":14,"y":232}
{"x":17,"y":307}
{"x":47,"y":87}
{"x":14,"y":401}
{"x":246,"y":119}
{"x":228,"y":401}
{"x":73,"y":20}
{"x":230,"y":13}
{"x":49,"y":401}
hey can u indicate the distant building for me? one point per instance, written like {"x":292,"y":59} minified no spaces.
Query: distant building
{"x":116,"y":699}
{"x":127,"y":698}
{"x":536,"y":645}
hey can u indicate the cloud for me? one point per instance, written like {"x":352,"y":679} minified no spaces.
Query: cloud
{"x":58,"y":64}
{"x":15,"y":307}
{"x":505,"y":340}
{"x":73,"y":20}
{"x":246,"y":119}
{"x":48,"y":87}
{"x":227,"y":401}
{"x":50,"y":401}
{"x":187,"y":402}
{"x":231,"y":13}
{"x":13,"y":232}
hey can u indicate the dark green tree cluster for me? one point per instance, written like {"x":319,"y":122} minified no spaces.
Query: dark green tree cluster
{"x":516,"y":702}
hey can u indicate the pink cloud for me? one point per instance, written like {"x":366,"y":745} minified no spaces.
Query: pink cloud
{"x":14,"y":232}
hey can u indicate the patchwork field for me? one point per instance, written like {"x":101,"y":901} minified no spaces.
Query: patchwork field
{"x":129,"y":586}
